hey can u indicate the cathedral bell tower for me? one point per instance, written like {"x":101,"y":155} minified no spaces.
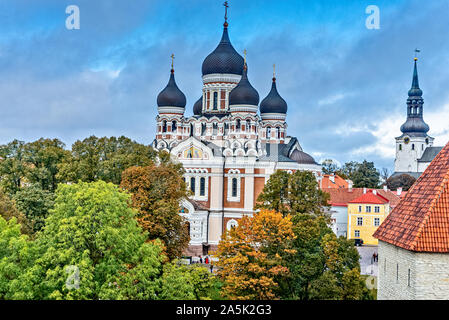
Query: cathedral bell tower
{"x":414,"y":140}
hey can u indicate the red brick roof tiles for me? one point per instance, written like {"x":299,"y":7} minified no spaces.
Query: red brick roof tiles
{"x":421,"y":220}
{"x":370,"y":198}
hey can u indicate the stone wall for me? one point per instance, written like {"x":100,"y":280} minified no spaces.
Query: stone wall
{"x":408,"y":275}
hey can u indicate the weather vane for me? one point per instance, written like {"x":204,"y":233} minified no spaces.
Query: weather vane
{"x":172,"y":59}
{"x":416,"y":54}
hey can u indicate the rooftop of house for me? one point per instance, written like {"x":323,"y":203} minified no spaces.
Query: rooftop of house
{"x":420,"y":222}
{"x":370,"y":197}
{"x":340,"y":197}
{"x":333,"y":181}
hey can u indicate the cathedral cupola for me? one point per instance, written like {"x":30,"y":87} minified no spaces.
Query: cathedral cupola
{"x":224,"y":59}
{"x":273,"y":107}
{"x":244,"y":98}
{"x":171,"y":99}
{"x":415,"y":125}
{"x":198,"y":107}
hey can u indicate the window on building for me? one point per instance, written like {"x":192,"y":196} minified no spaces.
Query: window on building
{"x":234,"y":187}
{"x":368,"y":209}
{"x":376,"y":222}
{"x":192,"y":184}
{"x":360,"y":208}
{"x":357,"y":233}
{"x":397,"y":272}
{"x":215,"y":100}
{"x":202,"y":186}
{"x":376,"y":209}
{"x":238,"y":125}
{"x":359,"y":221}
{"x":408,"y":280}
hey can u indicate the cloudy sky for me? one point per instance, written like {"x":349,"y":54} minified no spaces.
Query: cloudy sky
{"x":346,"y":85}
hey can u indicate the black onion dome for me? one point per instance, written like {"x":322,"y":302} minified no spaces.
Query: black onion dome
{"x":224,"y":59}
{"x":415,"y":125}
{"x":273,"y":103}
{"x":171,"y":96}
{"x":302,"y":157}
{"x":244,"y":92}
{"x":198,"y":107}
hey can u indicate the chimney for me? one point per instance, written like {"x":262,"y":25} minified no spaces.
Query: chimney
{"x":399,"y":192}
{"x":332,"y":178}
{"x":364,"y":190}
{"x":350,"y":185}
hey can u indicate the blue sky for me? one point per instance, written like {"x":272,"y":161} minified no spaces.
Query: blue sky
{"x":345,"y":85}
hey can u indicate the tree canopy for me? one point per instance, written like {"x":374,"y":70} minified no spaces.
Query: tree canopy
{"x":296,"y":193}
{"x":156,"y":194}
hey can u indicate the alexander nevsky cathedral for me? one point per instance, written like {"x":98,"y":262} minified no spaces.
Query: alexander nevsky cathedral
{"x":229,"y":147}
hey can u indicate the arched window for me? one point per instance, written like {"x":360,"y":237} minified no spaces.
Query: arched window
{"x":192,"y":184}
{"x":231,"y":224}
{"x":234,"y":187}
{"x":202,"y":186}
{"x":215,"y":100}
{"x":164,"y":126}
{"x":268,"y":132}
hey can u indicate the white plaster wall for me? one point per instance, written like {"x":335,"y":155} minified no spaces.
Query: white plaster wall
{"x":429,"y":274}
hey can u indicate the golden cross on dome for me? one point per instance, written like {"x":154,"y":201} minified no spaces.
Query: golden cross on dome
{"x":172,"y":59}
{"x":226,"y":5}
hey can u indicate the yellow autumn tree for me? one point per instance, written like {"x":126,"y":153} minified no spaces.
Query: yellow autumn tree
{"x":253,"y":255}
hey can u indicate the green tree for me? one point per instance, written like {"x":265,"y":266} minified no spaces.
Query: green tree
{"x":43,"y":157}
{"x":35,"y":203}
{"x":156,"y":193}
{"x":296,"y":193}
{"x":324,"y":266}
{"x":91,"y":232}
{"x":16,"y":255}
{"x":12,"y":166}
{"x":363,"y":175}
{"x":104,"y":159}
{"x":329,"y":166}
{"x":8,"y":211}
{"x":185,"y":282}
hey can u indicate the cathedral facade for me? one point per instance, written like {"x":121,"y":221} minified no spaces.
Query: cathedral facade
{"x":414,"y":148}
{"x":229,"y":147}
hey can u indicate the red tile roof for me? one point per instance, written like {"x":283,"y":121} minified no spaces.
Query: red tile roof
{"x":339,"y":182}
{"x":370,"y":198}
{"x":341,"y":197}
{"x":421,"y":220}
